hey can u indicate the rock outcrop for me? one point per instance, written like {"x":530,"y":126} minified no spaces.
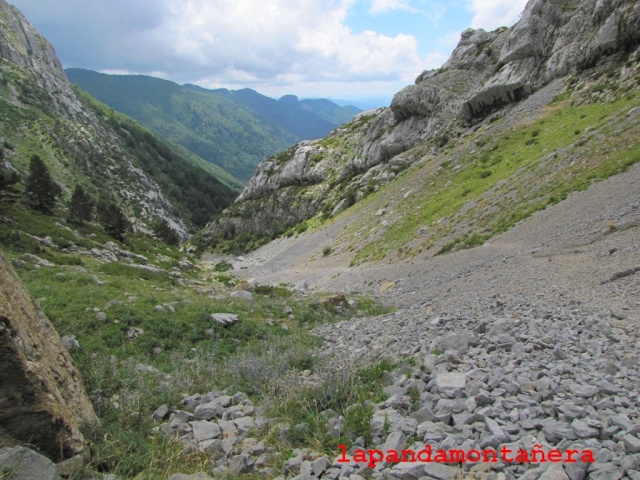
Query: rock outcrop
{"x":84,"y":139}
{"x":487,"y":72}
{"x":42,"y":399}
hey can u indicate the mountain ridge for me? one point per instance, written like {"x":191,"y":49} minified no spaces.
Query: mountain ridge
{"x":591,"y":45}
{"x":233,"y":129}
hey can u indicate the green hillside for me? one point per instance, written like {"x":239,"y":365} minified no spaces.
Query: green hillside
{"x":233,"y":130}
{"x":97,"y":149}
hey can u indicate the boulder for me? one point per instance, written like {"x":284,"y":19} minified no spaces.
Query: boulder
{"x":42,"y":399}
{"x":25,"y":464}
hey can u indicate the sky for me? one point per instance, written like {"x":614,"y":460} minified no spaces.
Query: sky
{"x":349,"y":49}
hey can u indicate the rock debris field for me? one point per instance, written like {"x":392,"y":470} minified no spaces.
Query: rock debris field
{"x":527,"y":345}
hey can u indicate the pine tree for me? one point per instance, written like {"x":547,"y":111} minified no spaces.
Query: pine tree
{"x":81,"y":206}
{"x":166,"y":234}
{"x":41,"y":189}
{"x":113,"y":221}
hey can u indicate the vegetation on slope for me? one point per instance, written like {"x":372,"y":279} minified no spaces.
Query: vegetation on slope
{"x":196,"y":192}
{"x":155,"y":343}
{"x":97,"y":156}
{"x":498,"y":176}
{"x":461,"y":192}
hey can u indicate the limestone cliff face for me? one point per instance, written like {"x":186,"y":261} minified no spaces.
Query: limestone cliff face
{"x":42,"y":398}
{"x":39,"y":101}
{"x":487,"y":72}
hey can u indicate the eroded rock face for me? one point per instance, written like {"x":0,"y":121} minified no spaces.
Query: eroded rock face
{"x":27,"y":54}
{"x":42,"y":398}
{"x":487,"y":72}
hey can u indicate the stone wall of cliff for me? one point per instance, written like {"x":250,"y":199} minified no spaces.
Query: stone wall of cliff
{"x":42,"y":398}
{"x":486,"y":73}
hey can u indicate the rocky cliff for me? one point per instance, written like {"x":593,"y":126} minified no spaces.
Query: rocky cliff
{"x":487,"y":75}
{"x":82,"y":141}
{"x":42,"y":399}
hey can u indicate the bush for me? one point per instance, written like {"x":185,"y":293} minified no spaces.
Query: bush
{"x":327,"y":250}
{"x":81,"y":206}
{"x":222,"y":266}
{"x":113,"y":221}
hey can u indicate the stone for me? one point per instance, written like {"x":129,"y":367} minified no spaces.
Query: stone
{"x":554,"y":472}
{"x":451,"y":384}
{"x":439,"y":471}
{"x":161,"y":413}
{"x":225,"y":319}
{"x":69,"y":467}
{"x":70,"y":343}
{"x":148,"y":268}
{"x":495,"y":430}
{"x":631,"y":444}
{"x":557,"y":430}
{"x":25,"y":464}
{"x":458,"y":342}
{"x":242,"y":295}
{"x":407,"y":470}
{"x":37,"y":375}
{"x":40,"y":262}
{"x":134,"y":332}
{"x":195,"y":476}
{"x":583,"y":430}
{"x":585,"y":391}
{"x":395,"y":441}
{"x":204,"y":430}
{"x":244,"y":424}
{"x":207,"y":411}
{"x":320,"y":465}
{"x":240,"y":464}
{"x":185,"y":264}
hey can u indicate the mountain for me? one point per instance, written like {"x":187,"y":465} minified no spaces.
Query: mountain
{"x":325,"y":109}
{"x":516,"y":119}
{"x":232,"y":129}
{"x":84,"y":142}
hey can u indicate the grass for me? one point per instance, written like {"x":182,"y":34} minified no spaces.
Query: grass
{"x":522,"y":162}
{"x":187,"y":353}
{"x":180,"y":352}
{"x":345,"y":393}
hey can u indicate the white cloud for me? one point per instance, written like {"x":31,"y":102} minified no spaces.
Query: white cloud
{"x":230,"y":43}
{"x":491,"y":14}
{"x":449,"y":41}
{"x":254,"y":41}
{"x":382,"y":6}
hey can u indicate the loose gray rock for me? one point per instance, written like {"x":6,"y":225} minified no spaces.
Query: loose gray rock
{"x":451,"y":384}
{"x":70,"y":343}
{"x":242,"y":295}
{"x":25,"y":464}
{"x":225,"y":319}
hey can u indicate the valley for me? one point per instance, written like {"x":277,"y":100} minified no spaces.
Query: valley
{"x":457,"y":272}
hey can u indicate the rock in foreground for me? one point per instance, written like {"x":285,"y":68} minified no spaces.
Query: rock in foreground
{"x":42,"y":399}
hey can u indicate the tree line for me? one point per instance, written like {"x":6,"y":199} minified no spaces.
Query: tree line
{"x":42,"y":194}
